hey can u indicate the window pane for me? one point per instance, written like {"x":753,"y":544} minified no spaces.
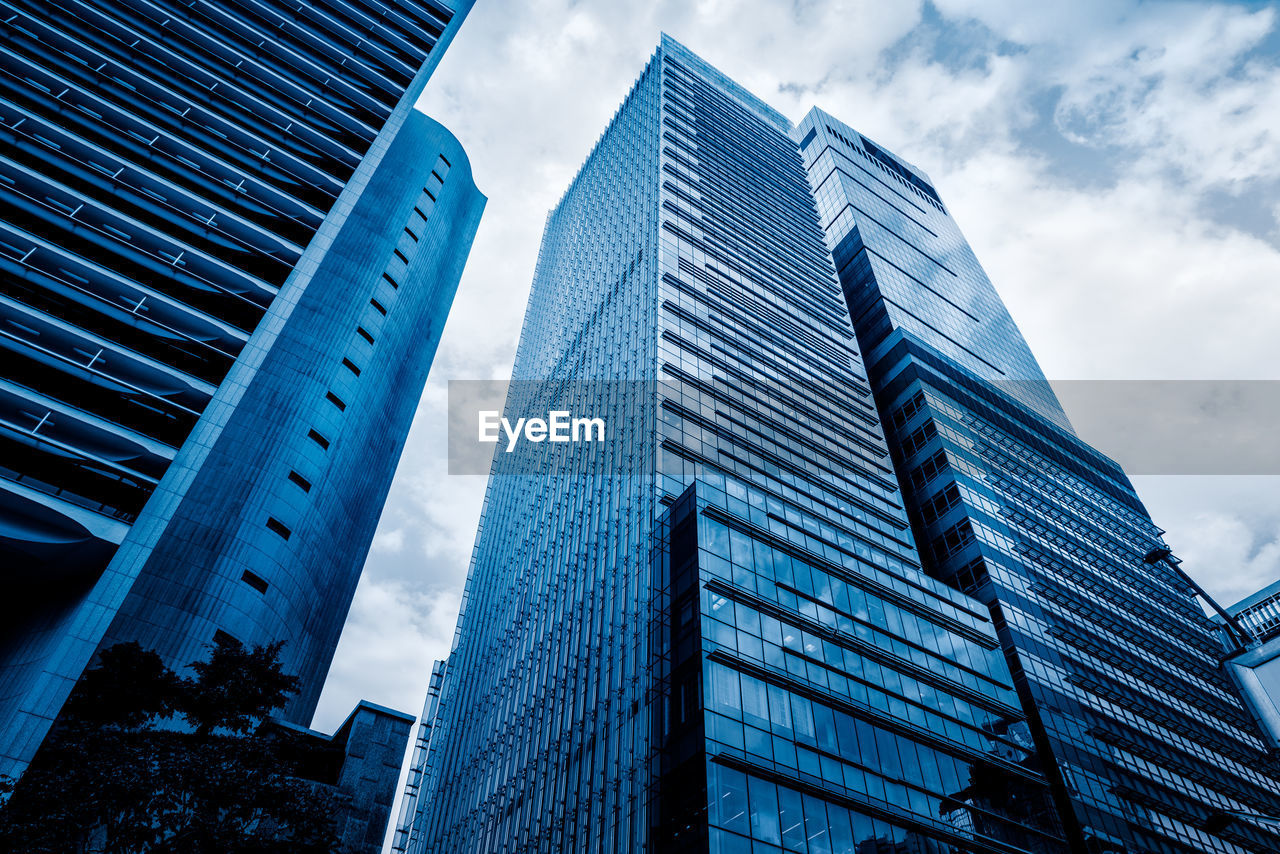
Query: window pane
{"x":764,"y":811}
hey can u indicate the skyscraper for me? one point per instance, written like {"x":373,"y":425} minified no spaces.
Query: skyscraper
{"x":713,"y":633}
{"x":1260,"y":612}
{"x":227,"y":247}
{"x":1146,"y":743}
{"x":1254,"y":665}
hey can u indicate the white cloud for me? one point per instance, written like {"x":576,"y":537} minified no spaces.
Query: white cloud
{"x":1180,"y":99}
{"x":389,"y":541}
{"x":392,"y":635}
{"x":1122,"y":282}
{"x":1225,"y":529}
{"x":1171,"y":82}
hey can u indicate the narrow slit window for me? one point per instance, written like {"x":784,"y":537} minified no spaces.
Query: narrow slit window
{"x":279,"y":527}
{"x":318,"y":439}
{"x":419,"y":212}
{"x":377,"y":306}
{"x":300,"y":481}
{"x":335,"y":400}
{"x":411,"y":234}
{"x":351,"y":366}
{"x":400,"y":255}
{"x":257,"y":582}
{"x":390,"y":280}
{"x":225,"y":638}
{"x":364,"y":333}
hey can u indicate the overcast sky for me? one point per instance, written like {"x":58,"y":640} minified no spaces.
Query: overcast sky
{"x":1114,"y":165}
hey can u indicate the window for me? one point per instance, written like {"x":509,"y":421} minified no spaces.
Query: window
{"x":952,"y":540}
{"x":400,"y":255}
{"x":364,"y":333}
{"x":255,"y":581}
{"x":935,"y":507}
{"x":910,"y":408}
{"x":279,"y":527}
{"x":335,"y":400}
{"x":318,"y":439}
{"x":934,"y":465}
{"x":225,"y":638}
{"x":411,"y":234}
{"x":390,"y":280}
{"x":377,"y":306}
{"x":300,"y":481}
{"x":918,"y":438}
{"x":972,"y":575}
{"x":351,"y":366}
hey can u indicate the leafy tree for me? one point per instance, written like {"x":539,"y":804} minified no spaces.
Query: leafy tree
{"x":120,"y":774}
{"x":221,"y":697}
{"x":129,"y":687}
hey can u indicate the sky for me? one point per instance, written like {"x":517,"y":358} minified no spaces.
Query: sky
{"x":1114,"y":164}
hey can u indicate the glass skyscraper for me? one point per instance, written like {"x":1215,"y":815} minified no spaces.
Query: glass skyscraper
{"x":1260,"y":612}
{"x":1255,"y":665}
{"x":713,"y":634}
{"x":227,"y":248}
{"x":823,"y":593}
{"x":1147,"y":745}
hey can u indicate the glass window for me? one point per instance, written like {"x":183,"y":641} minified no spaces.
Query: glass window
{"x":728,"y":843}
{"x":755,"y":701}
{"x":764,"y":811}
{"x":742,"y":552}
{"x":717,"y":536}
{"x":816,"y":826}
{"x":864,"y":831}
{"x":791,"y":818}
{"x":758,"y":741}
{"x":802,"y":717}
{"x":729,"y":807}
{"x":890,"y":764}
{"x":825,"y":728}
{"x":842,"y":841}
{"x":725,"y":695}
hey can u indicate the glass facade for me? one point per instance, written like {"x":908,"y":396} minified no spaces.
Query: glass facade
{"x":717,"y":637}
{"x":1255,"y":667}
{"x":1260,"y":613}
{"x":199,"y":202}
{"x":1146,"y":742}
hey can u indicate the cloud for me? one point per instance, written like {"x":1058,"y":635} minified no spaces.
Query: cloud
{"x":1177,"y":86}
{"x":1123,"y":282}
{"x":392,"y":635}
{"x":1183,"y":93}
{"x":1225,"y":529}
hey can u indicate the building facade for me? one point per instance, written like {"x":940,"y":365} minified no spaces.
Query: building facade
{"x":1147,"y":744}
{"x":1260,"y":613}
{"x":713,"y":633}
{"x":1255,"y":664}
{"x":360,"y":764}
{"x":227,"y":247}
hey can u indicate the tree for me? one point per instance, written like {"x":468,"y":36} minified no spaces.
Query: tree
{"x":221,"y":697}
{"x":119,"y":774}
